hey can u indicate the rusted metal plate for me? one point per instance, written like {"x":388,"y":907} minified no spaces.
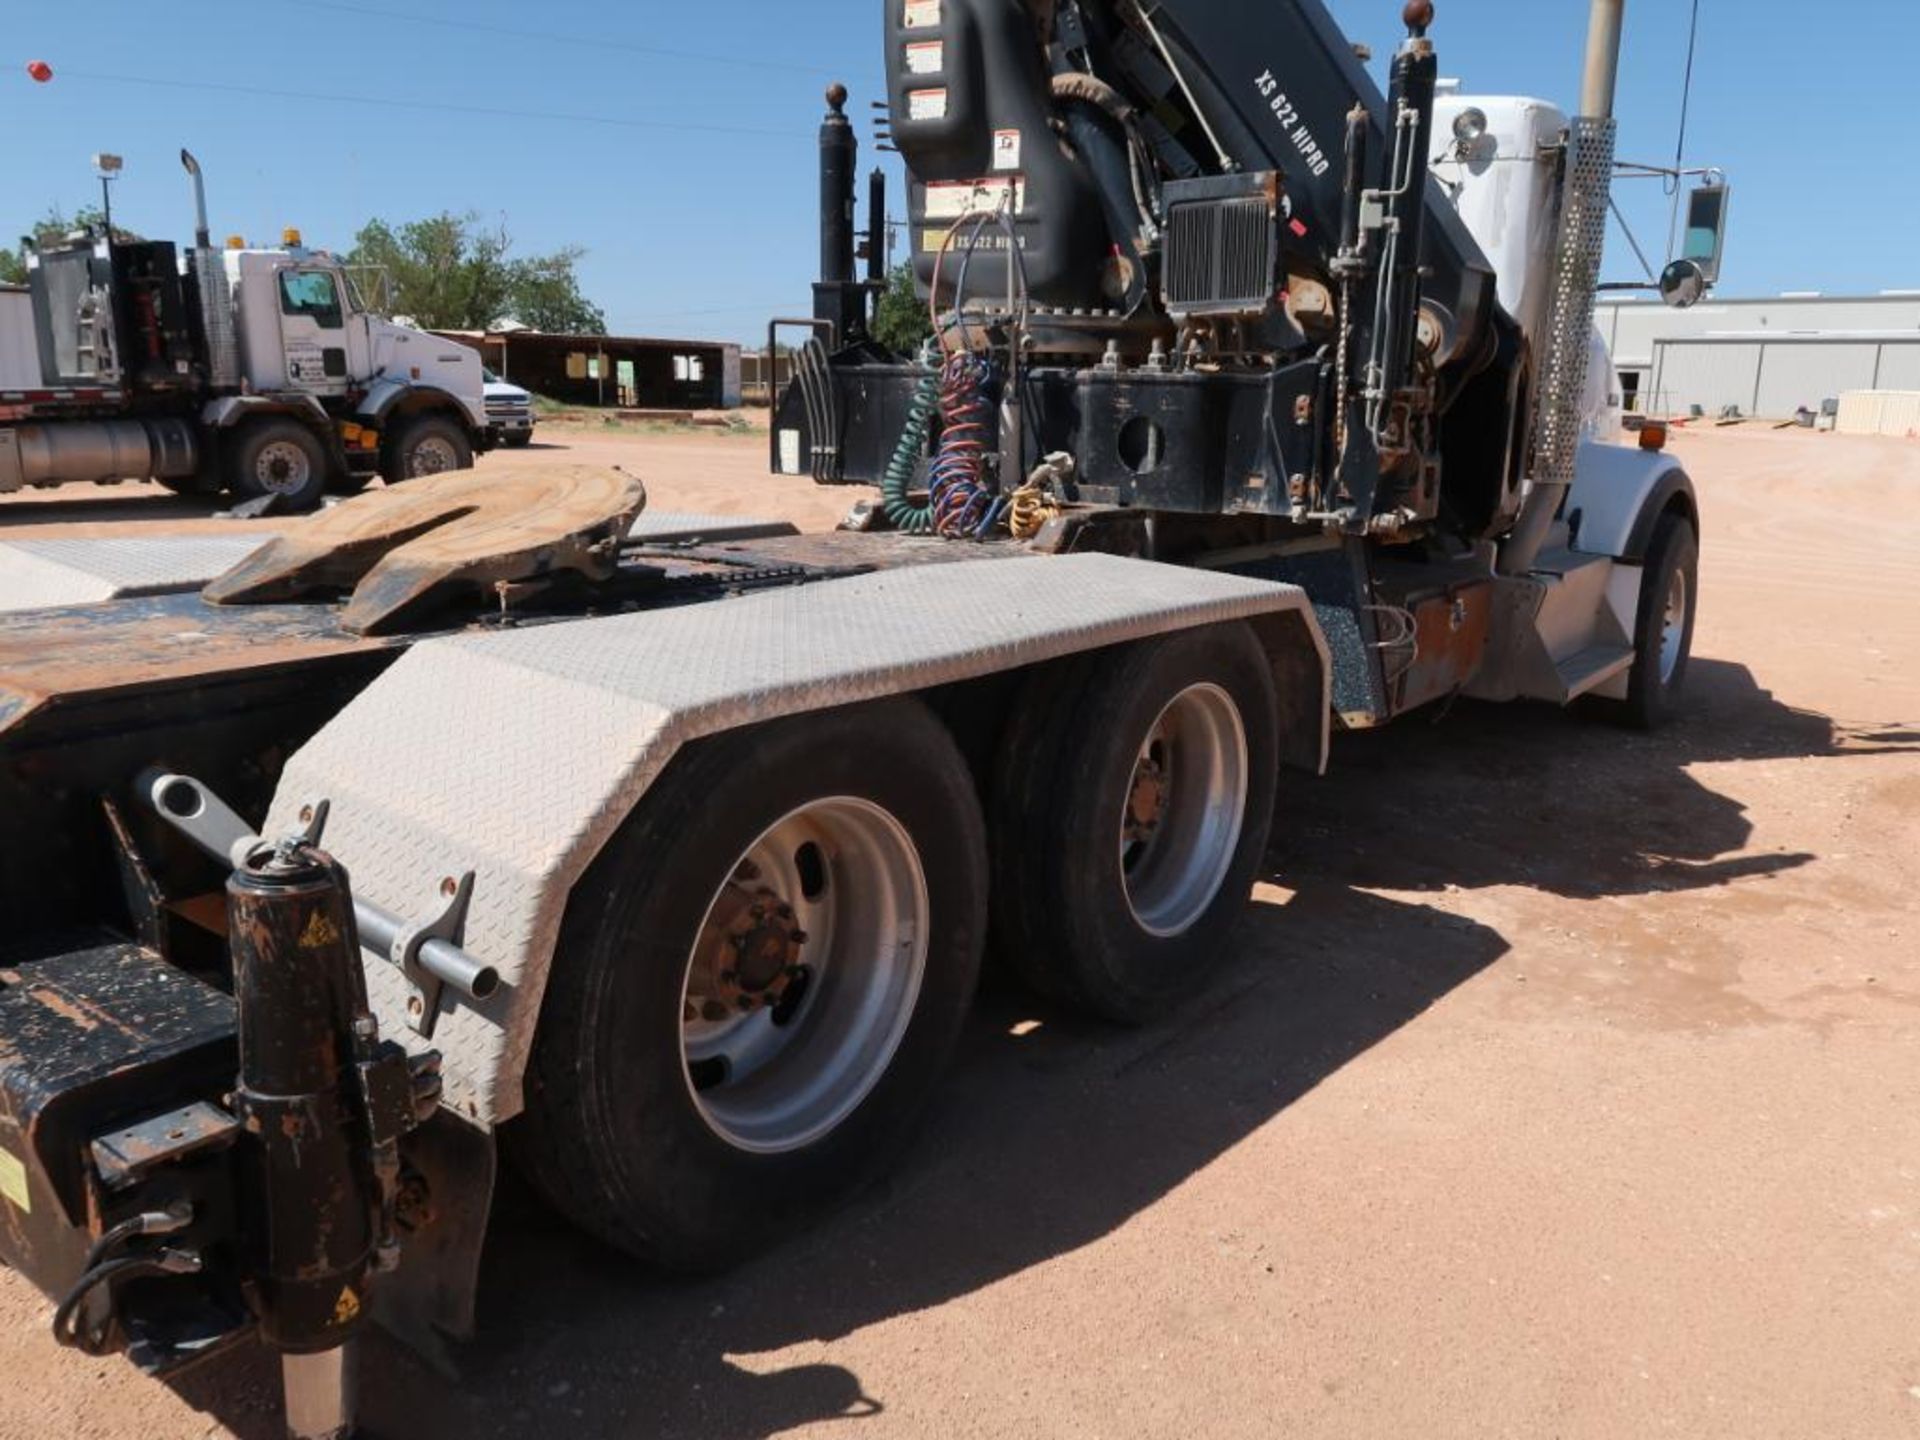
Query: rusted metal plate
{"x":46,"y":655}
{"x":397,"y":548}
{"x":1450,"y":638}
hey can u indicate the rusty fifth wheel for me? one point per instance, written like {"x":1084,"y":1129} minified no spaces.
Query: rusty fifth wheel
{"x":759,"y":983}
{"x":1132,"y":800}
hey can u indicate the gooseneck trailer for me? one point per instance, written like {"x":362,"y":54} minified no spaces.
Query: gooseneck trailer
{"x":499,"y":817}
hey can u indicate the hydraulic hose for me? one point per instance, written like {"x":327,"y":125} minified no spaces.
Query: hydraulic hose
{"x":897,"y":479}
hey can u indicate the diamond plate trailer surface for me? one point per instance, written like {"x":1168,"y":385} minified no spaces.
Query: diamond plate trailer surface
{"x":517,"y":755}
{"x":45,"y":574}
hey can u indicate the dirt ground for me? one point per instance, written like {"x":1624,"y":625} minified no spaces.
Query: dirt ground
{"x":1564,"y":1082}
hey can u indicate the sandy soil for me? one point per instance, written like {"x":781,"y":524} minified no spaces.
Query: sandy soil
{"x":1564,"y":1082}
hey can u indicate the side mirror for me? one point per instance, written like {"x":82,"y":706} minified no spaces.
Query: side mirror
{"x":1683,"y":284}
{"x":1706,"y":238}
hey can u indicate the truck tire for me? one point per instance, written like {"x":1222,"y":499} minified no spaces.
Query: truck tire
{"x":1663,"y":639}
{"x":277,"y":456}
{"x":1131,"y":805}
{"x":703,"y":1081}
{"x":427,"y":445}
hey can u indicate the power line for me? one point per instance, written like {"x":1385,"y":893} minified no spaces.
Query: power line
{"x":594,"y":42}
{"x":1680,"y":146}
{"x":434,"y":106}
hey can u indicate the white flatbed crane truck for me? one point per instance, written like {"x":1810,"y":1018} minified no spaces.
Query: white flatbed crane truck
{"x":662,"y":852}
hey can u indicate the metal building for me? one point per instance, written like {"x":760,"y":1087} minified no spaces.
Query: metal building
{"x":1766,"y":357}
{"x":614,"y":372}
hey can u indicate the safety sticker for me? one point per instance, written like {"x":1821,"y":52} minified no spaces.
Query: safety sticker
{"x":789,"y":452}
{"x":926,"y":104}
{"x":953,"y":199}
{"x":1006,"y":149}
{"x":927,"y":57}
{"x":922,"y":14}
{"x":13,"y":1182}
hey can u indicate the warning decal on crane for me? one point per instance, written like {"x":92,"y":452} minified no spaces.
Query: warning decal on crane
{"x":951,"y":199}
{"x":922,"y":14}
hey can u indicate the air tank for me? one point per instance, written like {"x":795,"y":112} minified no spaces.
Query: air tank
{"x":66,"y":452}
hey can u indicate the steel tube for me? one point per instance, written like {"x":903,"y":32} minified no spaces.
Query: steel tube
{"x":446,"y":962}
{"x":319,"y":1391}
{"x":1604,"y":31}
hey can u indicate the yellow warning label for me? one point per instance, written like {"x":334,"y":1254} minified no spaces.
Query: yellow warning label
{"x":13,"y":1182}
{"x":347,"y":1310}
{"x":320,"y":933}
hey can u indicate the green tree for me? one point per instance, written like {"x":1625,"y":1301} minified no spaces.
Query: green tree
{"x":901,"y":322}
{"x":449,"y":272}
{"x":544,"y":292}
{"x":52,"y":228}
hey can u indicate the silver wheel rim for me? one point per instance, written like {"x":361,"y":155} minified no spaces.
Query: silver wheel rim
{"x":282,"y":467}
{"x":1673,"y":627}
{"x":433,"y":455}
{"x":804,"y":975}
{"x":1185,"y":805}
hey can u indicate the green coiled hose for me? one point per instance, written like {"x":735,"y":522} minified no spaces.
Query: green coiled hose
{"x":905,"y":516}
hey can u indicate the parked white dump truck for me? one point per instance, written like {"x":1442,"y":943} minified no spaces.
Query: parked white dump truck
{"x":253,"y":371}
{"x":664,"y":859}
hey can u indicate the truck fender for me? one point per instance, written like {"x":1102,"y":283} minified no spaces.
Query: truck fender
{"x":230,"y":410}
{"x":516,"y":756}
{"x":387,"y":399}
{"x":1619,"y":495}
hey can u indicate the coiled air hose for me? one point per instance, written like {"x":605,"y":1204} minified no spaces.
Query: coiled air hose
{"x":962,"y":506}
{"x":897,"y":479}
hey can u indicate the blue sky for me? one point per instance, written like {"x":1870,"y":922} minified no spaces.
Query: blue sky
{"x":676,"y":142}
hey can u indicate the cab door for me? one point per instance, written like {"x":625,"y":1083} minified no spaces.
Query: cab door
{"x":313,"y":331}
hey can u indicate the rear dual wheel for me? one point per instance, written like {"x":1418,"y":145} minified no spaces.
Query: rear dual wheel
{"x":758,"y":984}
{"x":1130,"y":813}
{"x":760,"y":981}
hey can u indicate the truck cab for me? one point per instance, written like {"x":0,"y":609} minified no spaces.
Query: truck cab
{"x":303,"y":327}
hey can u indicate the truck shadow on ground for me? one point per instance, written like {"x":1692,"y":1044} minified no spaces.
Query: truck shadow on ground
{"x":1053,"y":1132}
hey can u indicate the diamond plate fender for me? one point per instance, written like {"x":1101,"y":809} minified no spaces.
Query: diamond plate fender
{"x":518,"y":755}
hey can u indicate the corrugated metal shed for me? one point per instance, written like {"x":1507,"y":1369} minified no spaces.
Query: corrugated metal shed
{"x":1771,"y":376}
{"x":1631,"y":328}
{"x":1664,"y":368}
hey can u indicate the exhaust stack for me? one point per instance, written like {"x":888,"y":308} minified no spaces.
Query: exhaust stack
{"x":202,"y":235}
{"x":1578,"y":249}
{"x":210,"y":286}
